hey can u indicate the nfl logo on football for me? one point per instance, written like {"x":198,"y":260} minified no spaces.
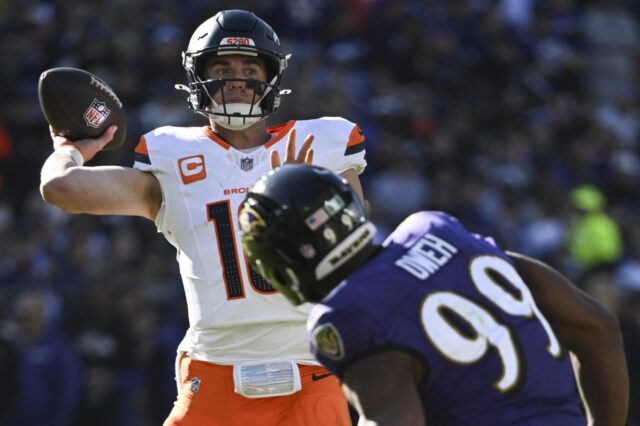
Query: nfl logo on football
{"x":96,"y":114}
{"x":246,"y":164}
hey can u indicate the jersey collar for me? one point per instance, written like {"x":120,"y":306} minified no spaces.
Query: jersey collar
{"x":277,"y":133}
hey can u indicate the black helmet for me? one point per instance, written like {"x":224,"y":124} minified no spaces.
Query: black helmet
{"x":234,"y":32}
{"x":304,"y":229}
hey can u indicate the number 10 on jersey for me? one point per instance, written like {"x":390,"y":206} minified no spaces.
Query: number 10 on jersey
{"x":219,"y":213}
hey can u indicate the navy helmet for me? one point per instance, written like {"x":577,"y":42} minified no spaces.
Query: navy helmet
{"x":304,"y":229}
{"x":234,"y":32}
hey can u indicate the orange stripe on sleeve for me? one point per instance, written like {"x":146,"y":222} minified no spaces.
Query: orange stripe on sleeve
{"x":355,"y":137}
{"x":142,"y":147}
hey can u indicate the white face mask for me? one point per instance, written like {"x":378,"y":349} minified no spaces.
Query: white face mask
{"x":239,"y":122}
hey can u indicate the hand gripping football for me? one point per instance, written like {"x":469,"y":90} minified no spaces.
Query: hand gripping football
{"x":79,"y":105}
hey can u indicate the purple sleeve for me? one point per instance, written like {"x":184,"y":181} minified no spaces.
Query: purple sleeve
{"x":340,"y":338}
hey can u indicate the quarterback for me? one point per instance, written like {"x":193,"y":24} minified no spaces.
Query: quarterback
{"x":244,"y":359}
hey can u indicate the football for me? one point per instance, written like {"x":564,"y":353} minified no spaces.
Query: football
{"x":79,"y":105}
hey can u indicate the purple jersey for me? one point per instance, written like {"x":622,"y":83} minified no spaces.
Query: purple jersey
{"x":455,"y":301}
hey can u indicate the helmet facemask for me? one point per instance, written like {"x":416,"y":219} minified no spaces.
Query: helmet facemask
{"x":234,"y":32}
{"x":230,"y":115}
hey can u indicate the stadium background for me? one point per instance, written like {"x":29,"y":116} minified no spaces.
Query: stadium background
{"x":494,"y":111}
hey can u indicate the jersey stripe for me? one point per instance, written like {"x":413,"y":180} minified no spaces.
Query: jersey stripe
{"x":141,"y":152}
{"x":211,"y":135}
{"x":356,"y":141}
{"x":278,"y":132}
{"x":354,"y":149}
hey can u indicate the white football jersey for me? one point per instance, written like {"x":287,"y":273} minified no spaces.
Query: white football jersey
{"x":234,"y":314}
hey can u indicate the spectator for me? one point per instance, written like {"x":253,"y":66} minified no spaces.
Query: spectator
{"x":594,"y":240}
{"x":10,"y":377}
{"x":48,"y":367}
{"x":612,"y":36}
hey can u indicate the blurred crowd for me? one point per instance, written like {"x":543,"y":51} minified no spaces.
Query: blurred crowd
{"x":520,"y":117}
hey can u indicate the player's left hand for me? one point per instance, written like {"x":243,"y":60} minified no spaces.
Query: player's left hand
{"x":304,"y":156}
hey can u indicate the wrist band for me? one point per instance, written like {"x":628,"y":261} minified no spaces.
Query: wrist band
{"x":72,"y":152}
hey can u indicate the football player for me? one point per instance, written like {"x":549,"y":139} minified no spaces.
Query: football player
{"x":244,"y":359}
{"x":437,"y":326}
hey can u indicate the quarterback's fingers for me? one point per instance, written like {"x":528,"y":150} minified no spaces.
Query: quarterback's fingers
{"x":290,"y":153}
{"x":95,"y":145}
{"x":306,"y":147}
{"x":107,"y":136}
{"x":308,"y":159}
{"x":275,"y":159}
{"x":87,"y":147}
